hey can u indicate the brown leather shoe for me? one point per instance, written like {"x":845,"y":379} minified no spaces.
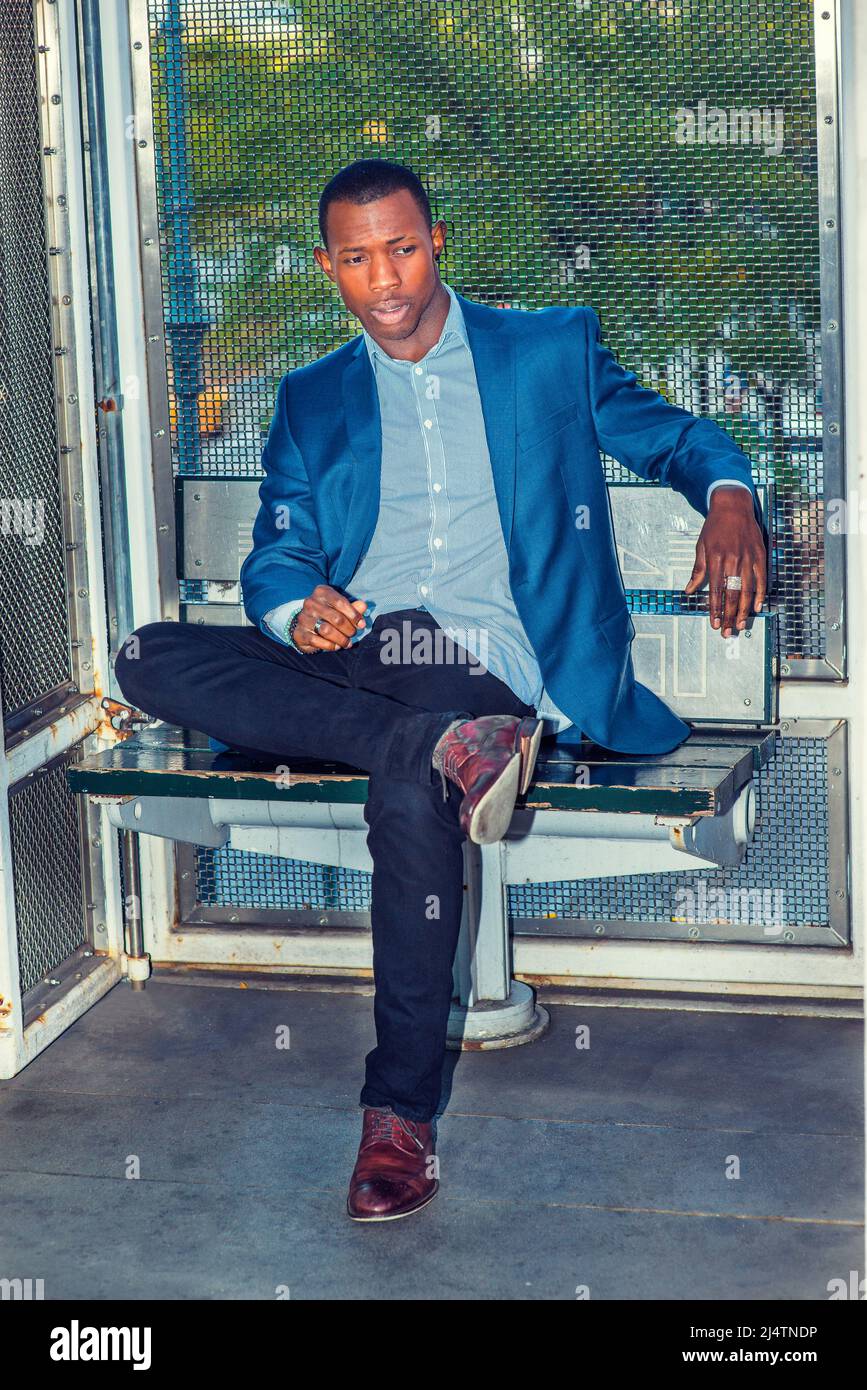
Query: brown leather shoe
{"x":390,"y":1178}
{"x":491,"y":759}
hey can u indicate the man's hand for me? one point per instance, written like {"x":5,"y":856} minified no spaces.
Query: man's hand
{"x":730,"y":543}
{"x":340,"y":622}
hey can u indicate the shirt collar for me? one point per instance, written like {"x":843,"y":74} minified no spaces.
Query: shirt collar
{"x":454,"y":326}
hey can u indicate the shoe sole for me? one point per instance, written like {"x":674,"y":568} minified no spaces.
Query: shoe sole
{"x":396,"y":1215}
{"x":528,"y":736}
{"x":490,"y":817}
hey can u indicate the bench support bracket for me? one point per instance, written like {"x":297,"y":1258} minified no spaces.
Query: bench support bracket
{"x":491,"y":1009}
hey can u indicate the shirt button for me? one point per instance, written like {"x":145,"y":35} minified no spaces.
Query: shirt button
{"x":437,"y":487}
{"x":418,"y":371}
{"x":438,"y":541}
{"x":423,"y":589}
{"x":428,"y":424}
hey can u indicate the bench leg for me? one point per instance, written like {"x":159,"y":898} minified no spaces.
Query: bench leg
{"x":491,"y":1009}
{"x":137,"y":963}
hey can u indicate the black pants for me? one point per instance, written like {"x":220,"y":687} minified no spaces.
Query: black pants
{"x":362,"y":707}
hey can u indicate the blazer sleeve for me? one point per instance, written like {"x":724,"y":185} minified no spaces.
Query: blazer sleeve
{"x":287,"y":560}
{"x":652,"y":437}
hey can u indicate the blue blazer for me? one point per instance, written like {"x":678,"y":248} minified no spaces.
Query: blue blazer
{"x":552,"y":396}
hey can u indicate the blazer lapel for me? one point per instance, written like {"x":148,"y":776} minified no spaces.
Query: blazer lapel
{"x":363,"y":427}
{"x":494,"y":360}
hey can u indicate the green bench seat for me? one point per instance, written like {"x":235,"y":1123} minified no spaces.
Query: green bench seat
{"x":702,"y":777}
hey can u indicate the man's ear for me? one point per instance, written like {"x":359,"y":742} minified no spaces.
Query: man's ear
{"x":320,"y":256}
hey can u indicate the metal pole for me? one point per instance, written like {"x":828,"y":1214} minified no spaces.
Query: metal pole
{"x":185,"y":323}
{"x":108,"y":371}
{"x":133,"y":924}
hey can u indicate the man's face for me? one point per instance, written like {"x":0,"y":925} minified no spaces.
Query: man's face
{"x":381,"y":257}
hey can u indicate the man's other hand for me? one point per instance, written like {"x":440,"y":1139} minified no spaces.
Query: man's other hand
{"x":730,"y":543}
{"x":340,"y":623}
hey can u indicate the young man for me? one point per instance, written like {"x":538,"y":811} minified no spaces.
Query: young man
{"x":440,"y":474}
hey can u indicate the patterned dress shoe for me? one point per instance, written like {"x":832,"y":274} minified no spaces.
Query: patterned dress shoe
{"x":393,"y":1171}
{"x":491,"y":759}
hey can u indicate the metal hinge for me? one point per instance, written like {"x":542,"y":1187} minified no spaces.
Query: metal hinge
{"x":126,"y":718}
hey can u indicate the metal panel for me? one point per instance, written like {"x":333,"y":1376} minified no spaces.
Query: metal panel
{"x":226,"y":614}
{"x":38,"y":404}
{"x":792,"y":889}
{"x":215,"y":526}
{"x":45,"y":833}
{"x":228,"y":886}
{"x":656,"y":531}
{"x":703,"y":676}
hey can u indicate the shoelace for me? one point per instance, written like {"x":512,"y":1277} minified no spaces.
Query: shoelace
{"x":437,"y":762}
{"x":384,"y":1122}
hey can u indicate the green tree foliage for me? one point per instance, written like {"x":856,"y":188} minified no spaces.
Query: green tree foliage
{"x":547,"y":136}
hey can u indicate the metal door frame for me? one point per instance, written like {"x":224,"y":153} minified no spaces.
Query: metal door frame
{"x":810,"y":689}
{"x":28,"y":1024}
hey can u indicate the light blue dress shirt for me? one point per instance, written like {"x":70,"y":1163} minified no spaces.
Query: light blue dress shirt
{"x":438,"y":542}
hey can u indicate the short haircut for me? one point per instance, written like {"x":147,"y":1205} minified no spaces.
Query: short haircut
{"x":367,"y":180}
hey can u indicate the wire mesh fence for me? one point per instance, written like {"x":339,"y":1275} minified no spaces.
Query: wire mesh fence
{"x":655,"y":159}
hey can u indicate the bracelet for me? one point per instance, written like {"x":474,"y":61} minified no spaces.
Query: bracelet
{"x":289,"y":631}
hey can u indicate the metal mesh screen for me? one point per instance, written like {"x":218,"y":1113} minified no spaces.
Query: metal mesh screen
{"x":655,"y":159}
{"x":784,"y":880}
{"x":34,"y":629}
{"x":229,"y":877}
{"x":44,"y":824}
{"x":787,"y":864}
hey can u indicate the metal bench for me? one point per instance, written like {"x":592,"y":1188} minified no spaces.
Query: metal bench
{"x":589,"y":813}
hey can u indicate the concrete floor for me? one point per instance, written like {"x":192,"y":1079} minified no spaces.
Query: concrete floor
{"x":561,"y":1168}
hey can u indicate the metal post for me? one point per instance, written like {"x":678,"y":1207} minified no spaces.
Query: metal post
{"x":107,"y":358}
{"x":491,"y":1009}
{"x":138,"y":962}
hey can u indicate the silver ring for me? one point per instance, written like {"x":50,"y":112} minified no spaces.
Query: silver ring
{"x":733,"y":581}
{"x":317,"y":625}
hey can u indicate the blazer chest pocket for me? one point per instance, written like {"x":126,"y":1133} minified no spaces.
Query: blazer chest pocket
{"x":541,"y":429}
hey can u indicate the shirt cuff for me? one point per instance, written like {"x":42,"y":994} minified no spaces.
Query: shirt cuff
{"x":724,"y":482}
{"x":277,"y":618}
